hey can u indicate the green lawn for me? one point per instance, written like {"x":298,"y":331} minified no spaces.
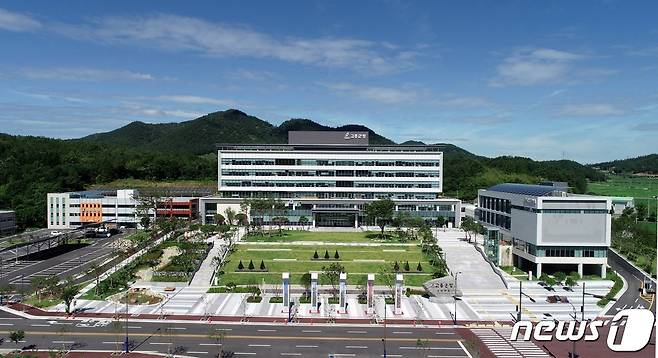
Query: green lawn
{"x":298,"y":259}
{"x":301,"y":235}
{"x":636,"y":187}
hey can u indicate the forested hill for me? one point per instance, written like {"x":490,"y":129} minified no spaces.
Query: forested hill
{"x":642,"y":164}
{"x":30,"y":167}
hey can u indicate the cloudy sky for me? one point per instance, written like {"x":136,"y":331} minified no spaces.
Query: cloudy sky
{"x":548,"y":80}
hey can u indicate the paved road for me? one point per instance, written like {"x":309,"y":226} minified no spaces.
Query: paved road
{"x":62,"y":265}
{"x":634,"y":278}
{"x":245,"y":340}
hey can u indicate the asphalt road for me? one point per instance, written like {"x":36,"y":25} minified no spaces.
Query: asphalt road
{"x":192,"y":339}
{"x":62,"y":265}
{"x":634,"y":278}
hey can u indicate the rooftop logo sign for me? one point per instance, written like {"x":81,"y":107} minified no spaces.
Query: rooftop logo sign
{"x":327,"y":138}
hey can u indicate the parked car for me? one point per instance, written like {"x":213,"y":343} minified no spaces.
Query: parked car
{"x":55,"y":233}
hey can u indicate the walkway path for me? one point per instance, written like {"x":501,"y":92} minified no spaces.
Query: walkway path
{"x":476,"y":273}
{"x":206,"y":272}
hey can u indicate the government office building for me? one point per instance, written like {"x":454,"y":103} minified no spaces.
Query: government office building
{"x":329,"y":176}
{"x":549,"y":229}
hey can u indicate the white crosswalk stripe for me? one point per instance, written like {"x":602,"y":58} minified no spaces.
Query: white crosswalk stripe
{"x":498,"y":342}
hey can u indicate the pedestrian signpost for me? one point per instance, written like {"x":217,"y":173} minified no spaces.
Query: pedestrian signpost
{"x":314,"y":293}
{"x":370,"y":293}
{"x":399,"y":289}
{"x":343,"y":292}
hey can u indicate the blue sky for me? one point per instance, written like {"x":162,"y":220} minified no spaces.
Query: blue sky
{"x":546,"y":80}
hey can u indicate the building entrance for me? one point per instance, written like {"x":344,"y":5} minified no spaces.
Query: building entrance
{"x":335,"y":219}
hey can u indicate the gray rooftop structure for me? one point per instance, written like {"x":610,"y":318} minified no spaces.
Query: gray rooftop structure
{"x":527,"y":189}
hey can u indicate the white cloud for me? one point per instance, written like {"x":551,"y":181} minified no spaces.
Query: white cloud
{"x":84,"y":74}
{"x":462,"y":102}
{"x":529,"y":67}
{"x":13,"y":21}
{"x":158,"y":112}
{"x":187,"y":99}
{"x":179,"y":33}
{"x":386,"y":95}
{"x":591,"y":110}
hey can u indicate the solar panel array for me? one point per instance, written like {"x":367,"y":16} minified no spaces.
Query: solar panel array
{"x":524,"y":189}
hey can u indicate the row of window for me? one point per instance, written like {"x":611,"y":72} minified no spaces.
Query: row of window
{"x":332,"y":173}
{"x":497,"y":204}
{"x":368,"y":163}
{"x":560,"y":251}
{"x":561,"y":211}
{"x":327,"y":184}
{"x":330,"y":195}
{"x":499,"y":220}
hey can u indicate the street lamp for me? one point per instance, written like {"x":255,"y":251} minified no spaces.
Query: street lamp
{"x":384,"y":339}
{"x":521,"y":294}
{"x":126,"y":343}
{"x":455,"y":315}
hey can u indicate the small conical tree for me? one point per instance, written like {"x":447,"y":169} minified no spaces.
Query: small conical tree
{"x":419,"y":268}
{"x":262,"y":265}
{"x":240,"y":266}
{"x":406,"y":266}
{"x":251,"y":264}
{"x":336,"y":256}
{"x":315,"y":255}
{"x":396,"y":266}
{"x":326,"y":254}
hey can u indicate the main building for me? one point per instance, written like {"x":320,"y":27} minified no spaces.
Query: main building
{"x":328,"y":176}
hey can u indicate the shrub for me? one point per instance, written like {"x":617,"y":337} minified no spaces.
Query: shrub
{"x":574,"y":275}
{"x":251,"y":264}
{"x":315,"y":255}
{"x":560,"y":276}
{"x":240,"y":266}
{"x":396,"y":266}
{"x":262,"y":265}
{"x":406,"y":266}
{"x":254,"y":299}
{"x":419,"y":267}
{"x":326,"y":254}
{"x":570,"y":281}
{"x":276,"y":300}
{"x":336,"y":256}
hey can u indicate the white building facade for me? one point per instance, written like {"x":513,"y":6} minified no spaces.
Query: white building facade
{"x":328,"y":177}
{"x":74,"y":209}
{"x":550,"y":229}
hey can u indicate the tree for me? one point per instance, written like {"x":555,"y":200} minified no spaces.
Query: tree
{"x":387,"y":276}
{"x":560,"y":276}
{"x":229,"y":213}
{"x":219,"y":219}
{"x":406,"y":266}
{"x":96,"y":271}
{"x":326,"y":254}
{"x":240,"y":266}
{"x":419,"y":267}
{"x":38,"y":284}
{"x":336,"y":256}
{"x":381,"y":212}
{"x":262,"y":265}
{"x":570,"y":281}
{"x":69,"y":290}
{"x":241,"y":219}
{"x":332,"y":272}
{"x":251,"y":264}
{"x":396,"y":267}
{"x":440,"y":221}
{"x":5,"y":289}
{"x":315,"y":255}
{"x":218,"y":335}
{"x":303,"y":220}
{"x":305,"y":281}
{"x":17,"y":336}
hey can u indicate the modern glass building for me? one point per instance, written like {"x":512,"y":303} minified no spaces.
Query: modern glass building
{"x":327,"y":177}
{"x":549,"y":228}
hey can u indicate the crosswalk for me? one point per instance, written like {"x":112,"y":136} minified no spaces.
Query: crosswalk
{"x":13,"y":266}
{"x":498,"y":342}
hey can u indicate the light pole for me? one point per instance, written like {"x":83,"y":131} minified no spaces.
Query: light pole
{"x":384,"y":339}
{"x":521,"y":294}
{"x":456,"y":275}
{"x":127,"y":345}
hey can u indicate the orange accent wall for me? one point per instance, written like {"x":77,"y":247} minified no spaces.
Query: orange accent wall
{"x":91,"y":212}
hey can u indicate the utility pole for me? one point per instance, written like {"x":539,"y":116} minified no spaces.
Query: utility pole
{"x":127,"y":345}
{"x":456,"y":275}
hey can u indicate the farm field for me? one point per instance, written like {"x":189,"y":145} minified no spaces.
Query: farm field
{"x":636,"y":187}
{"x":360,"y":253}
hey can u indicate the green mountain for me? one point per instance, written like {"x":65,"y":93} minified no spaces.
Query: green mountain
{"x":641,"y":164}
{"x":30,"y":167}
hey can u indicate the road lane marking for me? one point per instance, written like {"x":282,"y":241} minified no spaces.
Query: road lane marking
{"x":160,"y":343}
{"x":357,"y":332}
{"x":305,"y":346}
{"x":178,"y":328}
{"x":291,"y":354}
{"x":6,"y":324}
{"x":112,"y":342}
{"x":244,"y":353}
{"x":197,"y":352}
{"x":267,"y":330}
{"x":311,"y":331}
{"x":39,"y":325}
{"x":210,"y":344}
{"x":464,"y":349}
{"x":63,"y":342}
{"x":403,"y":332}
{"x":356,"y":347}
{"x":260,"y":345}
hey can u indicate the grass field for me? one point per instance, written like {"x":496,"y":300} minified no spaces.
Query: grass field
{"x":280,"y":254}
{"x":636,"y":187}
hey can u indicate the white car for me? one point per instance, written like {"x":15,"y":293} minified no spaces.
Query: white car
{"x":55,"y":233}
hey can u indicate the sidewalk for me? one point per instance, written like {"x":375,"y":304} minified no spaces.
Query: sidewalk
{"x":206,"y":271}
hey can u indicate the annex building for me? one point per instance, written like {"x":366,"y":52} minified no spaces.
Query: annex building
{"x":326,"y":177}
{"x":548,"y":228}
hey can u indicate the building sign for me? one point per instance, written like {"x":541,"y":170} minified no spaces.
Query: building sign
{"x":327,"y":137}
